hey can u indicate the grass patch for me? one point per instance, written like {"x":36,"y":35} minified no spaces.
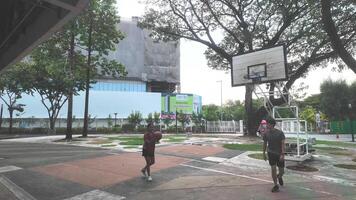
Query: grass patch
{"x":174,"y":139}
{"x":334,"y":151}
{"x":336,"y":143}
{"x":346,"y":166}
{"x":341,"y":153}
{"x":132,"y":142}
{"x":128,"y":140}
{"x":102,"y":141}
{"x":327,"y":148}
{"x":258,"y":156}
{"x":130,"y":147}
{"x":244,"y":147}
{"x":108,"y":145}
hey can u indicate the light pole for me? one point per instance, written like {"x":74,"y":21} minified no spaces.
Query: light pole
{"x":115,"y":119}
{"x":176,"y":121}
{"x":221,"y":100}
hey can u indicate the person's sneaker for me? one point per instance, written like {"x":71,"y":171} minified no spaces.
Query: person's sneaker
{"x":275,"y":188}
{"x":143,"y":173}
{"x":149,"y":179}
{"x":280,"y":181}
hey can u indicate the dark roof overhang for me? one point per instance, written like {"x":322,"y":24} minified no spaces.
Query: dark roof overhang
{"x":26,"y":23}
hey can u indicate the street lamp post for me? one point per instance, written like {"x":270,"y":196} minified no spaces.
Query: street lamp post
{"x":176,"y":121}
{"x":115,"y":119}
{"x":221,"y":114}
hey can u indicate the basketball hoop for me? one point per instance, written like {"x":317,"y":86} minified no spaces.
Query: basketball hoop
{"x":261,"y":66}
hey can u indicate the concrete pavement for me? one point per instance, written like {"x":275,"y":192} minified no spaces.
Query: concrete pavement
{"x":41,"y":171}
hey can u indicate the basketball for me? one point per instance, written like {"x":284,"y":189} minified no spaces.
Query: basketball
{"x":158,"y":136}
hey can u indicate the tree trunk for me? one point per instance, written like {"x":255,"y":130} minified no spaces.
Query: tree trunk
{"x":1,"y":111}
{"x":329,"y":27}
{"x":52,"y":122}
{"x":69,"y":117}
{"x":70,"y":96}
{"x":86,"y":110}
{"x":11,"y":112}
{"x":250,"y":115}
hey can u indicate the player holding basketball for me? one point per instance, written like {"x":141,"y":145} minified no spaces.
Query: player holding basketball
{"x":148,"y":149}
{"x":274,"y":141}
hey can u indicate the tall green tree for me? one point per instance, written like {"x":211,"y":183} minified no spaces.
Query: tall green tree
{"x":49,"y":76}
{"x":68,"y":40}
{"x":312,"y":100}
{"x":157,"y":118}
{"x":211,"y":112}
{"x":135,"y":118}
{"x":75,"y":59}
{"x":352,"y":102}
{"x":233,"y":110}
{"x":184,"y":119}
{"x":154,"y":118}
{"x":335,"y":98}
{"x":228,"y":28}
{"x":150,"y":118}
{"x":308,"y":114}
{"x":198,"y":120}
{"x":13,"y":83}
{"x":99,"y":35}
{"x":167,"y":121}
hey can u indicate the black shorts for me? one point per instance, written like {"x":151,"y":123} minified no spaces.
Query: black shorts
{"x":146,"y":153}
{"x":273,"y":159}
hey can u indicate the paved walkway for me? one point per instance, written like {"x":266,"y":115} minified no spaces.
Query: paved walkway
{"x":49,"y":171}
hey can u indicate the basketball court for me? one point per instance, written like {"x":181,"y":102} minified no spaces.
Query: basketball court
{"x":180,"y":172}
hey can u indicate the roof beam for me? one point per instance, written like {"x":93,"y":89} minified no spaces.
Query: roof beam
{"x":42,"y":27}
{"x":64,"y":5}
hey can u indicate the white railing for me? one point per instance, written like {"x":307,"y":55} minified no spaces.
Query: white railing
{"x":291,"y":126}
{"x":224,"y":126}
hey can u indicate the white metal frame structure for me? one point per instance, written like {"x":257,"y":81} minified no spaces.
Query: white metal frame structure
{"x":224,"y":126}
{"x":299,"y":157}
{"x":266,"y":66}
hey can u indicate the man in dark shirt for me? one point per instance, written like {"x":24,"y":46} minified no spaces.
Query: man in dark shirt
{"x":273,"y":141}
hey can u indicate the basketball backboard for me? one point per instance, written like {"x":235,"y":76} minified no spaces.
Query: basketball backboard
{"x":261,"y":66}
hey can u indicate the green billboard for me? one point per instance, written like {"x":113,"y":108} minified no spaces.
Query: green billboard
{"x":183,"y":103}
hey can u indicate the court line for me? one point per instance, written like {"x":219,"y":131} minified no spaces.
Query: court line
{"x":20,"y":193}
{"x":227,"y":173}
{"x":254,"y":178}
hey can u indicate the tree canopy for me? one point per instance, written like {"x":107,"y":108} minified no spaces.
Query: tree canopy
{"x":98,"y":36}
{"x":13,"y":83}
{"x":343,"y":48}
{"x":228,"y":28}
{"x":336,"y":97}
{"x":50,"y":78}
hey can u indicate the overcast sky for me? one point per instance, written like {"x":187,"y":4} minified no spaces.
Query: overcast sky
{"x":198,"y":79}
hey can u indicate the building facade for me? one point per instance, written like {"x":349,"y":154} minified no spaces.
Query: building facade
{"x":153,"y":75}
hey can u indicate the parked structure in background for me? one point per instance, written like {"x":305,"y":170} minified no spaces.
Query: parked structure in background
{"x":153,"y":75}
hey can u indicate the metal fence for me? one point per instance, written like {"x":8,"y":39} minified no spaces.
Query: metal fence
{"x":224,"y":126}
{"x":291,"y":126}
